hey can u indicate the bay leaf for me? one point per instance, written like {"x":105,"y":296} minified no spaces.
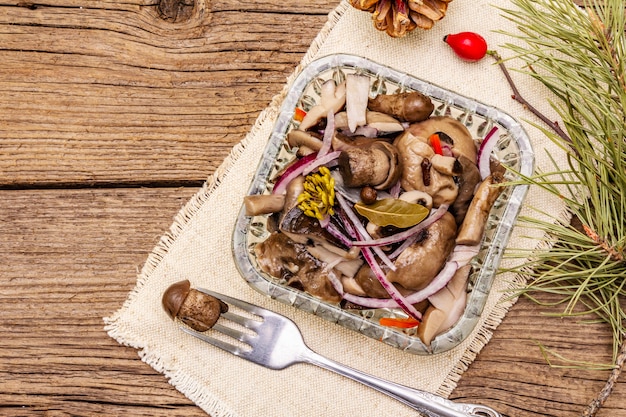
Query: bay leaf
{"x":392,"y":212}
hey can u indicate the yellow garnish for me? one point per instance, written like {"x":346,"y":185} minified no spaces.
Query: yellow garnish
{"x":318,"y":198}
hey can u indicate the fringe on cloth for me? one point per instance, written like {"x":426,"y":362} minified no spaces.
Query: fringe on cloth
{"x":183,"y":218}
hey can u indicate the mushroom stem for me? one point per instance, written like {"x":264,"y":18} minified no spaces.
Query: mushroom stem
{"x":473,"y":226}
{"x":263,"y":204}
{"x":332,"y":98}
{"x":357,"y":92}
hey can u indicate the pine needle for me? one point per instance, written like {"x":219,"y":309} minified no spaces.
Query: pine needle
{"x":580,"y":56}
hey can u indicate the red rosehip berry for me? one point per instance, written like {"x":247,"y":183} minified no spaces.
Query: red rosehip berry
{"x":469,"y":46}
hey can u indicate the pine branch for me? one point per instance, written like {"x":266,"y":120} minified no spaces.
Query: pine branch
{"x":581,"y":59}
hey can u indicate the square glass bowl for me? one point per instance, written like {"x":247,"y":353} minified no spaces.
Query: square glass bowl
{"x":513,"y":149}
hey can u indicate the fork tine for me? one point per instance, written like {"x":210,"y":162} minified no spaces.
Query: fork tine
{"x":235,"y":350}
{"x":251,"y":308}
{"x":234,"y":333}
{"x":244,"y":321}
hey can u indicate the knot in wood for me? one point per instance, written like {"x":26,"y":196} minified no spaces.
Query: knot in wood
{"x":176,"y":10}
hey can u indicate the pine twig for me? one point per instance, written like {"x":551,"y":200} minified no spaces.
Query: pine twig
{"x":611,"y":251}
{"x":595,"y":405}
{"x":520,"y":99}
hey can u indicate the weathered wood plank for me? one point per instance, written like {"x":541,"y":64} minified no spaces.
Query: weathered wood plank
{"x":71,"y":256}
{"x":513,"y":376}
{"x":69,"y":259}
{"x":109,"y":92}
{"x":113,"y":92}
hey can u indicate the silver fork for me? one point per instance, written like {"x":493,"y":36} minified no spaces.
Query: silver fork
{"x":275,"y":342}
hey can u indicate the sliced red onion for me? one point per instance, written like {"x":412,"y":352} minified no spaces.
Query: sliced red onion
{"x":292,"y":171}
{"x":376,"y":269}
{"x":346,"y":223}
{"x":388,"y":286}
{"x":384,"y":258}
{"x":441,"y":280}
{"x":321,"y":160}
{"x":484,"y":152}
{"x":396,"y":189}
{"x":362,"y":235}
{"x":335,"y":281}
{"x":337,"y":233}
{"x":329,"y":132}
{"x":399,"y":237}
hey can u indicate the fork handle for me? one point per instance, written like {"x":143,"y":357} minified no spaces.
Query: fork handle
{"x":429,"y":404}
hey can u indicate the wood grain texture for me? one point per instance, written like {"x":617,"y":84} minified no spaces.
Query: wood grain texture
{"x":69,"y":259}
{"x":112,"y":113}
{"x":109,"y":92}
{"x":73,"y":257}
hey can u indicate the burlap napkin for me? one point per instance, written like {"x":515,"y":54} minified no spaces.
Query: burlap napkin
{"x":198,"y":248}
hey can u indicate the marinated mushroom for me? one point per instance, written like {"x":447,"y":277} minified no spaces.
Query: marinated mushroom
{"x":418,"y":197}
{"x":370,"y":286}
{"x":263,"y":204}
{"x":455,"y":131}
{"x":419,"y":174}
{"x":467,"y":181}
{"x":304,"y":229}
{"x":299,"y":138}
{"x":392,"y":149}
{"x":377,"y":165}
{"x":283,"y":258}
{"x":198,"y":310}
{"x":406,"y":107}
{"x":357,"y":91}
{"x":332,"y":98}
{"x":418,"y":264}
{"x":369,"y":283}
{"x":447,"y":306}
{"x":377,"y":124}
{"x":473,"y":226}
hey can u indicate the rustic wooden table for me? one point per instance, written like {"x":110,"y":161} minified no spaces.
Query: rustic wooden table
{"x":112,"y":114}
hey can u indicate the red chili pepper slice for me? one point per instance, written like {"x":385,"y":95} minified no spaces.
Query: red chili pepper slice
{"x":299,"y":114}
{"x":435,"y":142}
{"x":403,"y":323}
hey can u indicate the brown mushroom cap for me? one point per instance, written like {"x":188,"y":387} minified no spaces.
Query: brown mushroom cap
{"x":298,"y":138}
{"x":407,"y":106}
{"x":196,"y":309}
{"x":174,"y":297}
{"x":377,"y":165}
{"x":281,"y":257}
{"x":422,"y":261}
{"x":413,"y":152}
{"x":395,"y":164}
{"x":468,"y":181}
{"x":463,"y":141}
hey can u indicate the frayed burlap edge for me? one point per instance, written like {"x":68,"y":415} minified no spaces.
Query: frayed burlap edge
{"x":507,"y":300}
{"x":183,"y":218}
{"x":182,"y":382}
